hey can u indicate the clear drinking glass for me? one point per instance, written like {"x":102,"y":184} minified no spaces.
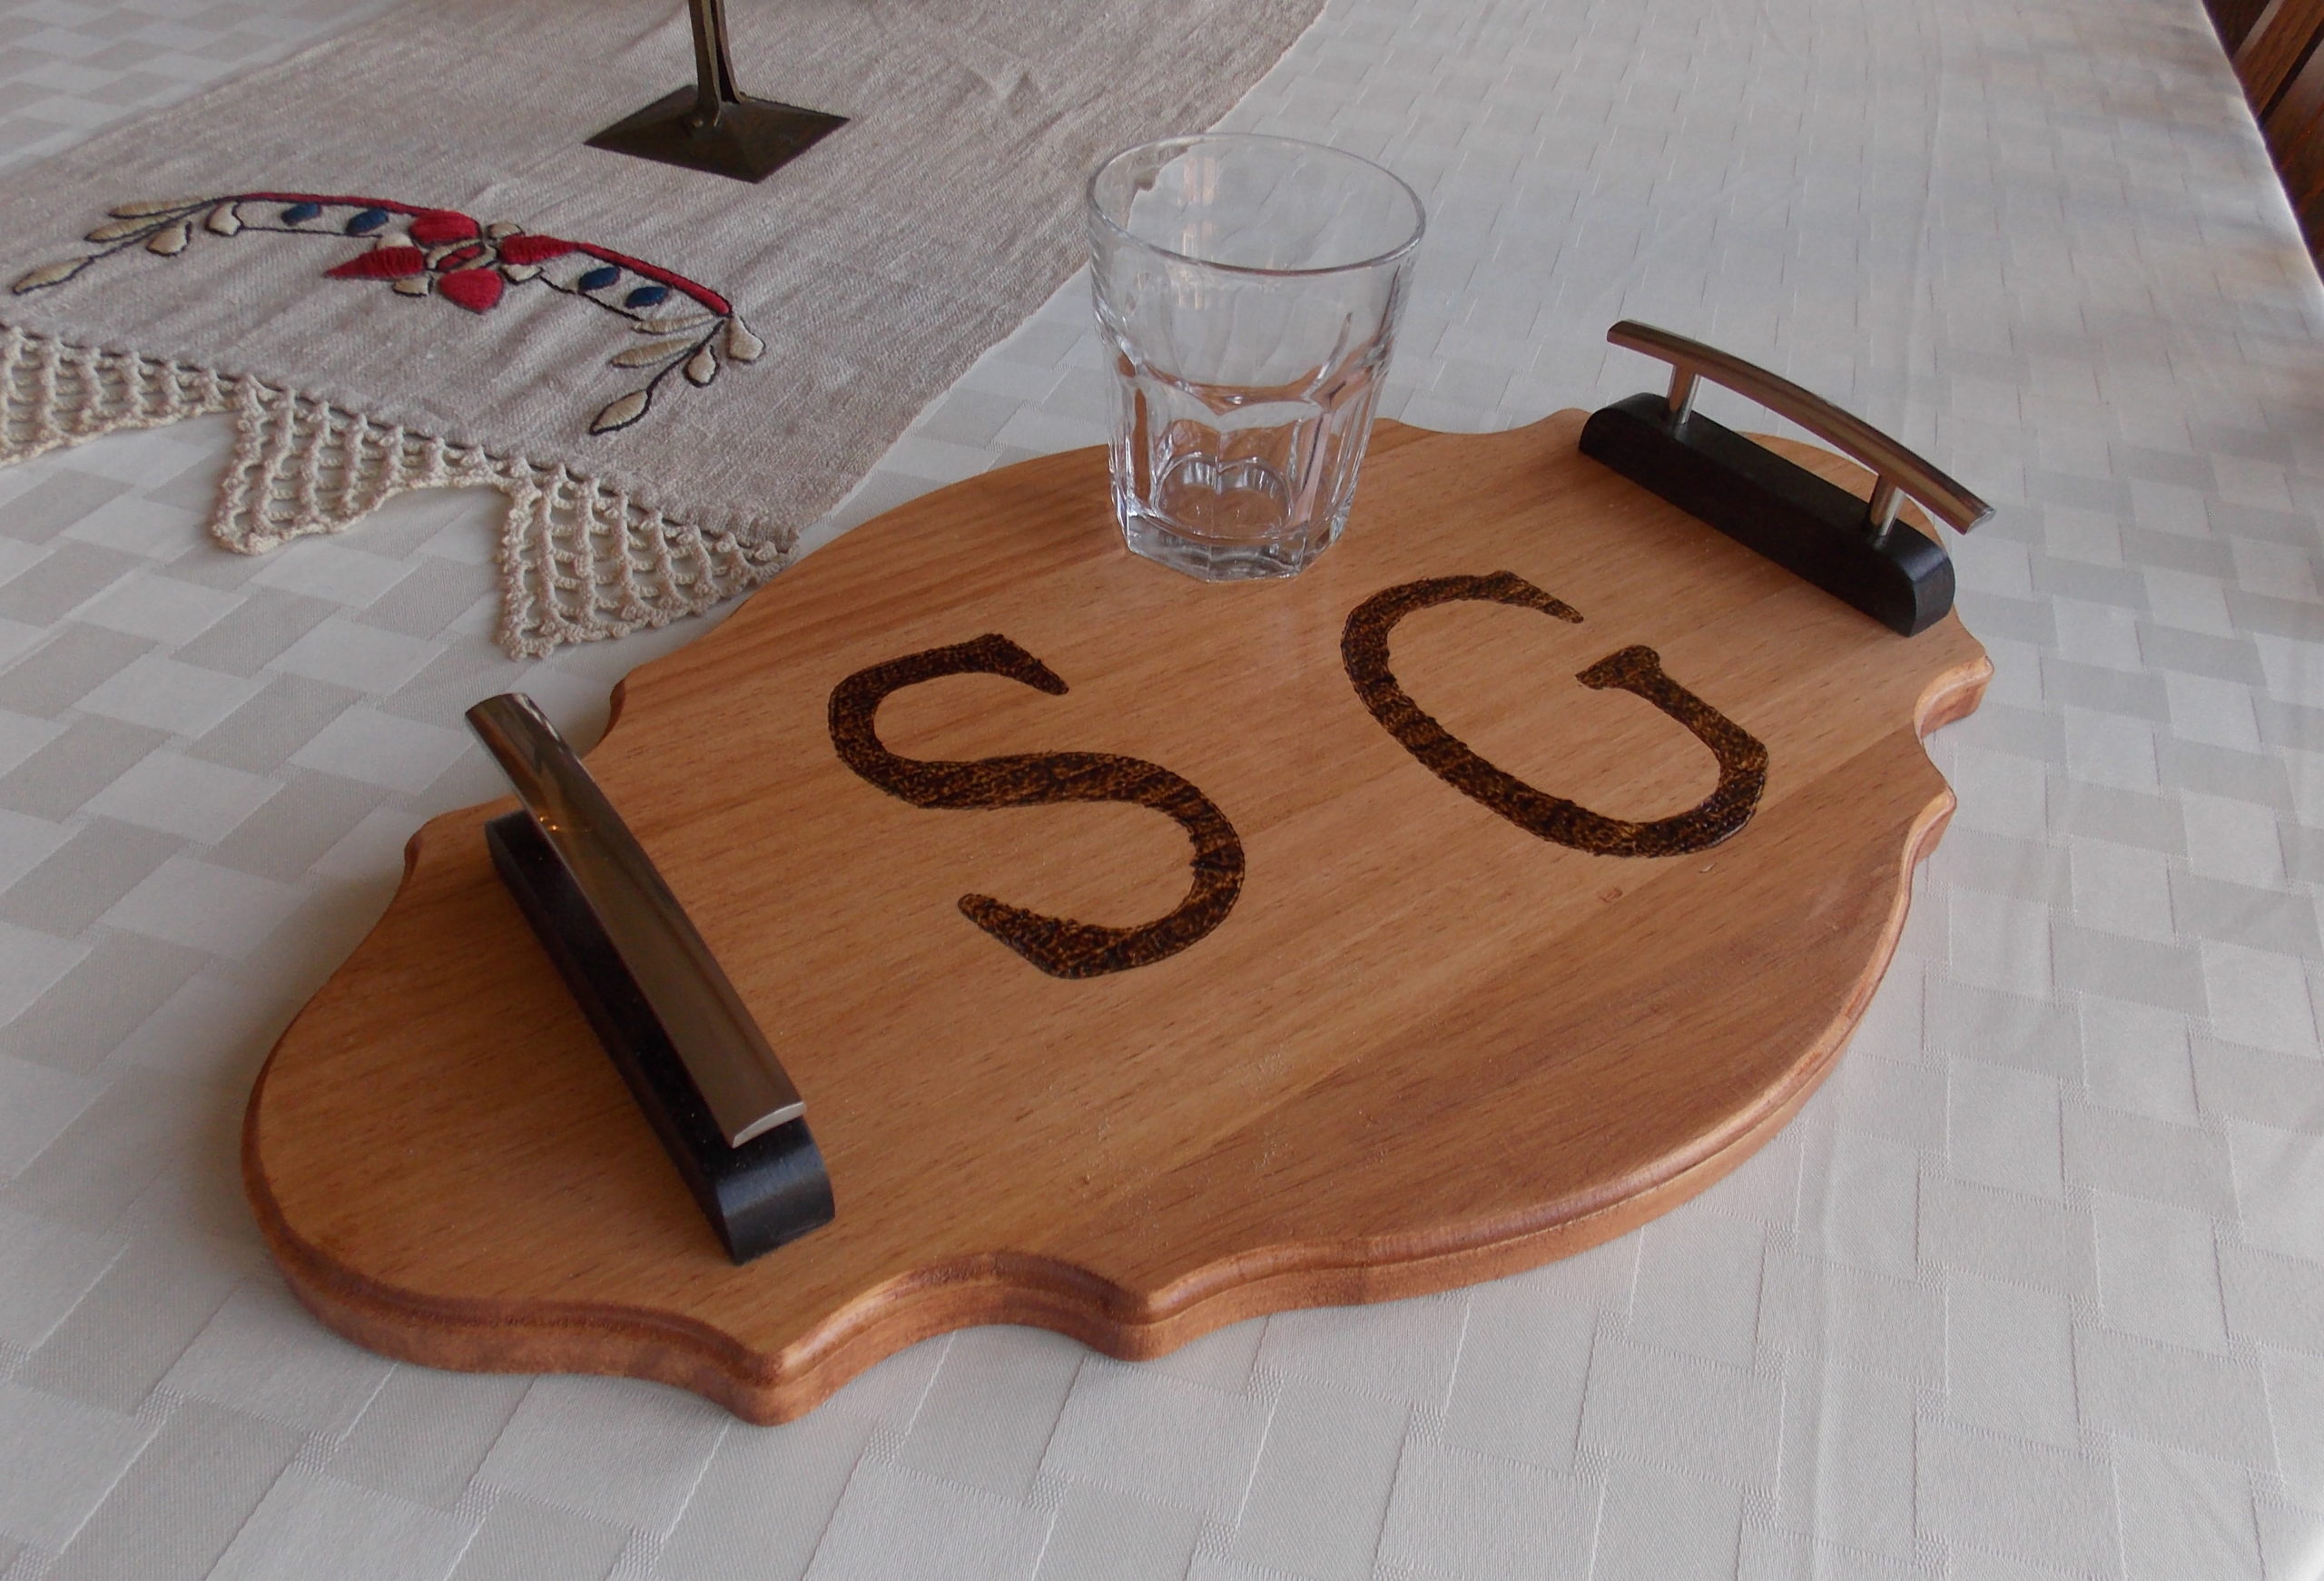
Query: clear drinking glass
{"x":1248,"y":289}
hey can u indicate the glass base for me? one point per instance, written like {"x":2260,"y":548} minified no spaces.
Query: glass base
{"x":1157,"y":539}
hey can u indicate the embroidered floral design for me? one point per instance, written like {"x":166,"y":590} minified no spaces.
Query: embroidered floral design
{"x":441,"y":252}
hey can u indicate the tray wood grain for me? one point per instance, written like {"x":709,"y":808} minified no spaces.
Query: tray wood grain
{"x":1424,"y":1046}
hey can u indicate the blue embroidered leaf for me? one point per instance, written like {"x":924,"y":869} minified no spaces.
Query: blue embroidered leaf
{"x":598,"y":278}
{"x":300,"y":214}
{"x":368,"y":220}
{"x":645,"y":296}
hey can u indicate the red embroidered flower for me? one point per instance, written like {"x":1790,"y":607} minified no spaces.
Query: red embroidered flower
{"x":437,"y":226}
{"x":690,"y":331}
{"x":524,"y":251}
{"x":381,"y":263}
{"x":477,"y":289}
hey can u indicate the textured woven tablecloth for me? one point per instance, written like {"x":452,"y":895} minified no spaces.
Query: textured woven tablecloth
{"x":2033,"y":1289}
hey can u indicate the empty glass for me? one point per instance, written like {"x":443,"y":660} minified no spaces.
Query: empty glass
{"x":1248,"y":289}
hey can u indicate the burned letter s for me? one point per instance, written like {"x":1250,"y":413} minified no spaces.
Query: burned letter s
{"x":1057,"y":944}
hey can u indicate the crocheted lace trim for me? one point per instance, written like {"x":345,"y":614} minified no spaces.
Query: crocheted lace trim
{"x":579,"y":561}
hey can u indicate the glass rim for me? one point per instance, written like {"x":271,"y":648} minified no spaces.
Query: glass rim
{"x":1098,"y":216}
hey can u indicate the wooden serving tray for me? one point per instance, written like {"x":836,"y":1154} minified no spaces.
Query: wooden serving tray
{"x":1428,"y":1042}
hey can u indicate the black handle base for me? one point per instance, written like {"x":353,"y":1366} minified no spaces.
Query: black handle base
{"x":772,"y":1189}
{"x":1814,"y":529}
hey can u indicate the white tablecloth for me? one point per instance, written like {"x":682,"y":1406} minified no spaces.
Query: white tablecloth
{"x":2033,"y":1289}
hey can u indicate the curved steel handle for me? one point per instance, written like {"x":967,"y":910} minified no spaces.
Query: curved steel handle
{"x":745,"y":1086}
{"x":1899,"y":471}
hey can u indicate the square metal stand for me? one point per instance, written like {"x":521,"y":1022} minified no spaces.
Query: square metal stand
{"x":713,"y":127}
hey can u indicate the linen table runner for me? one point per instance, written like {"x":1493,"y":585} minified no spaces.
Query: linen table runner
{"x":395,"y":262}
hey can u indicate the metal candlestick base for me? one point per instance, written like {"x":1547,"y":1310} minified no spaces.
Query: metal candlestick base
{"x":747,"y":139}
{"x":712,"y":126}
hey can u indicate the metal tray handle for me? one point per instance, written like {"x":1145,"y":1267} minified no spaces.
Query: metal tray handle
{"x":1899,"y":472}
{"x":740,"y":1079}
